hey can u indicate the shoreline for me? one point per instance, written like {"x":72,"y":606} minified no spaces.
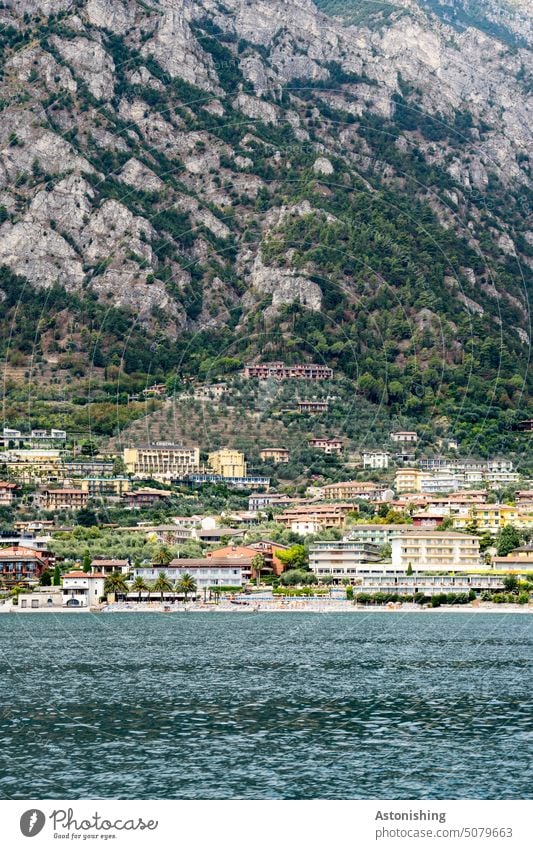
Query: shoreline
{"x":321,"y":607}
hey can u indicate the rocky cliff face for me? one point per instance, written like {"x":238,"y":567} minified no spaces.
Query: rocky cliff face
{"x":143,"y":148}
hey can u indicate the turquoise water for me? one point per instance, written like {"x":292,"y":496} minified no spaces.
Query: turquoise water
{"x":378,"y":705}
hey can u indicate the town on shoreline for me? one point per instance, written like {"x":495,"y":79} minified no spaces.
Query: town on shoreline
{"x":163,"y":526}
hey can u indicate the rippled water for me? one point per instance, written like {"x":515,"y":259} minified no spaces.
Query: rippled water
{"x":376,"y":705}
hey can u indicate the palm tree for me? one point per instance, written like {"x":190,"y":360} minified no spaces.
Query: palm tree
{"x":115,"y":583}
{"x":163,"y":556}
{"x":186,"y":585}
{"x":162,"y":584}
{"x":258,"y":563}
{"x":139,"y":585}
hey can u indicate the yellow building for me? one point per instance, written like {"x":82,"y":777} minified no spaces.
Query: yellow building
{"x":97,"y":487}
{"x":492,"y":518}
{"x":34,"y":465}
{"x":162,"y":460}
{"x":519,"y":560}
{"x":275,"y":455}
{"x":228,"y":463}
{"x":408,"y":480}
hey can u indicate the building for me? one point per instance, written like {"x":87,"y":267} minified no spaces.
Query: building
{"x":211,"y":391}
{"x":274,"y":455}
{"x":313,"y":518}
{"x":228,"y":463}
{"x":341,"y":560}
{"x":103,"y":487}
{"x":208,"y":573}
{"x":249,"y":482}
{"x":20,"y":565}
{"x":267,"y":549}
{"x":35,"y":465}
{"x":83,"y":589}
{"x":443,"y":481}
{"x":526,"y":425}
{"x":427,"y":585}
{"x":367,"y":490}
{"x":42,"y":598}
{"x":161,"y":460}
{"x":408,"y":480}
{"x":101,"y":566}
{"x":146,"y":497}
{"x":327,"y":446}
{"x":376,"y":459}
{"x":279,"y":371}
{"x":377,"y":535}
{"x":274,"y":501}
{"x":313,"y":407}
{"x":435,"y":551}
{"x":217,"y":535}
{"x":490,"y":518}
{"x":63,"y":499}
{"x":96,"y":466}
{"x":524,"y":498}
{"x":37,"y":436}
{"x":404,"y":436}
{"x":158,"y":390}
{"x":518,"y":560}
{"x":8,"y":492}
{"x":424,"y":519}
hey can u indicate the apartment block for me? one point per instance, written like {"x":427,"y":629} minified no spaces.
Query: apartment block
{"x":368,"y":490}
{"x":103,"y":487}
{"x":441,"y":551}
{"x":275,"y":455}
{"x":328,"y":446}
{"x":228,"y":463}
{"x":376,"y":459}
{"x":162,"y":460}
{"x":404,"y":436}
{"x":279,"y":371}
{"x":64,"y":499}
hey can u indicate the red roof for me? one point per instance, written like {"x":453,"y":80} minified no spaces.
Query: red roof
{"x":19,"y":551}
{"x":83,"y":575}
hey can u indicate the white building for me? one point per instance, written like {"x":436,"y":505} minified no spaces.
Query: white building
{"x":376,"y":459}
{"x":81,"y":589}
{"x":404,"y":436}
{"x":442,"y":481}
{"x":339,"y":560}
{"x":207,"y":572}
{"x":435,"y":551}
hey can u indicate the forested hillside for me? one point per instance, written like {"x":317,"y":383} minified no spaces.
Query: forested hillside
{"x":184,"y":187}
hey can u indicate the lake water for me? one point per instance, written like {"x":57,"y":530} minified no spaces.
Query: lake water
{"x":263,"y":706}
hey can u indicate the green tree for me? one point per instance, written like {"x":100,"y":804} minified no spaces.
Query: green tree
{"x":163,"y":556}
{"x":87,"y":517}
{"x":86,"y":562}
{"x":295,"y":557}
{"x":139,"y":586}
{"x":115,"y":583}
{"x":510,"y":584}
{"x":349,"y":592}
{"x":507,"y":539}
{"x":162,"y":584}
{"x":56,"y":581}
{"x":409,"y":569}
{"x":186,"y":585}
{"x":258,"y":564}
{"x":46,"y":578}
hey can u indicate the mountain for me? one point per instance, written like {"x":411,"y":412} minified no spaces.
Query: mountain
{"x":187,"y":185}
